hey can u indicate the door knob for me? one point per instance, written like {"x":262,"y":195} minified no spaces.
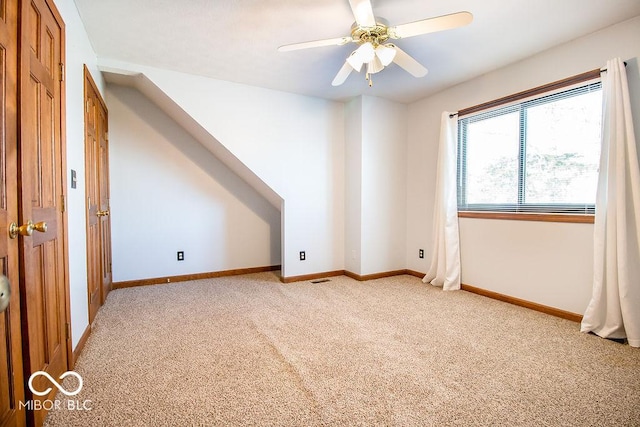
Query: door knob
{"x":5,"y":293}
{"x":26,"y":229}
{"x":40,"y":226}
{"x":23,"y":230}
{"x":103,"y":213}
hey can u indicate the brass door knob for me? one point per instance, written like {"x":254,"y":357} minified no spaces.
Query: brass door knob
{"x":5,"y":293}
{"x":40,"y":226}
{"x":102,"y":213}
{"x":23,"y":230}
{"x":26,"y":229}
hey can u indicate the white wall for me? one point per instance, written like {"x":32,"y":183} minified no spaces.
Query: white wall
{"x":422,"y":155}
{"x":542,"y":262}
{"x":384,"y":153}
{"x":294,"y":143}
{"x":353,"y":186}
{"x":169,"y":194}
{"x":375,"y":218}
{"x":548,"y":263}
{"x":78,"y":53}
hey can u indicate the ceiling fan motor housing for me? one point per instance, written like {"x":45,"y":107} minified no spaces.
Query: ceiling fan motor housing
{"x":374,"y":35}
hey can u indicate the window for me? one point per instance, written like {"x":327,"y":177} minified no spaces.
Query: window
{"x":538,"y":155}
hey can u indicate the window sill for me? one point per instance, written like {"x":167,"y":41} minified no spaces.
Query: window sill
{"x":519,"y":216}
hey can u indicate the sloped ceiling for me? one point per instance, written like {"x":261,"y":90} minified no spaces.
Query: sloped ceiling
{"x":236,"y":40}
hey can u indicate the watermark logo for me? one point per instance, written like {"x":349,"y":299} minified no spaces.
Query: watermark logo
{"x":72,"y":405}
{"x":54,"y":382}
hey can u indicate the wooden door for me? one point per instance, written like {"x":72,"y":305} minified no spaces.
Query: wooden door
{"x":91,"y":149}
{"x":97,"y":190}
{"x":44,"y":294}
{"x":11,"y":376}
{"x":105,"y":217}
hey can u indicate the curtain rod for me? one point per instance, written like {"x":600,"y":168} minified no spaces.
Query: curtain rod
{"x":602,"y":70}
{"x":605,"y":68}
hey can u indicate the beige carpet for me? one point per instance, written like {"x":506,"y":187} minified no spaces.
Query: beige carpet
{"x":249,"y":350}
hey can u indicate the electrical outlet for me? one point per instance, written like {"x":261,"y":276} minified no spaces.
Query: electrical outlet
{"x":180,"y":255}
{"x":420,"y":253}
{"x":303,"y":256}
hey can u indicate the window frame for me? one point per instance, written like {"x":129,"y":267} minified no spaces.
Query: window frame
{"x":548,"y":90}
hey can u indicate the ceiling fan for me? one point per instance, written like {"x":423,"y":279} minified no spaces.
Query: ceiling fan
{"x":371,"y":33}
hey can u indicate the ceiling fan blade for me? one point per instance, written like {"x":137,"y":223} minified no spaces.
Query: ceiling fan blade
{"x":339,"y":41}
{"x":342,"y":74}
{"x":404,"y":60}
{"x":430,"y":25}
{"x":363,"y":12}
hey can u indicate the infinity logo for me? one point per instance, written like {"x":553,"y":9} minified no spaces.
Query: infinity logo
{"x":54,"y":382}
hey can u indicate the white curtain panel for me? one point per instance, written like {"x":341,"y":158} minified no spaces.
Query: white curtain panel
{"x":614,"y":309}
{"x":445,"y":263}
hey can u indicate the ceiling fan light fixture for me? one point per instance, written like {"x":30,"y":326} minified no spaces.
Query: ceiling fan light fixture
{"x":385,"y":54}
{"x":366,"y":52}
{"x":374,"y":66}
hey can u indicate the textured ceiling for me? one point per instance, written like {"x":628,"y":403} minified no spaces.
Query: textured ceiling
{"x":236,"y":40}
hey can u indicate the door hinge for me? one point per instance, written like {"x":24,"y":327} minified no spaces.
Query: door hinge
{"x":106,"y":136}
{"x":61,"y":72}
{"x":87,"y":106}
{"x":63,"y":203}
{"x":67,"y":330}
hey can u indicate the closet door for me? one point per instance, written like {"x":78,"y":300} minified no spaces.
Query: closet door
{"x":96,"y":154}
{"x":105,"y":208}
{"x":11,"y":377}
{"x":42,"y":273}
{"x":91,"y":150}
